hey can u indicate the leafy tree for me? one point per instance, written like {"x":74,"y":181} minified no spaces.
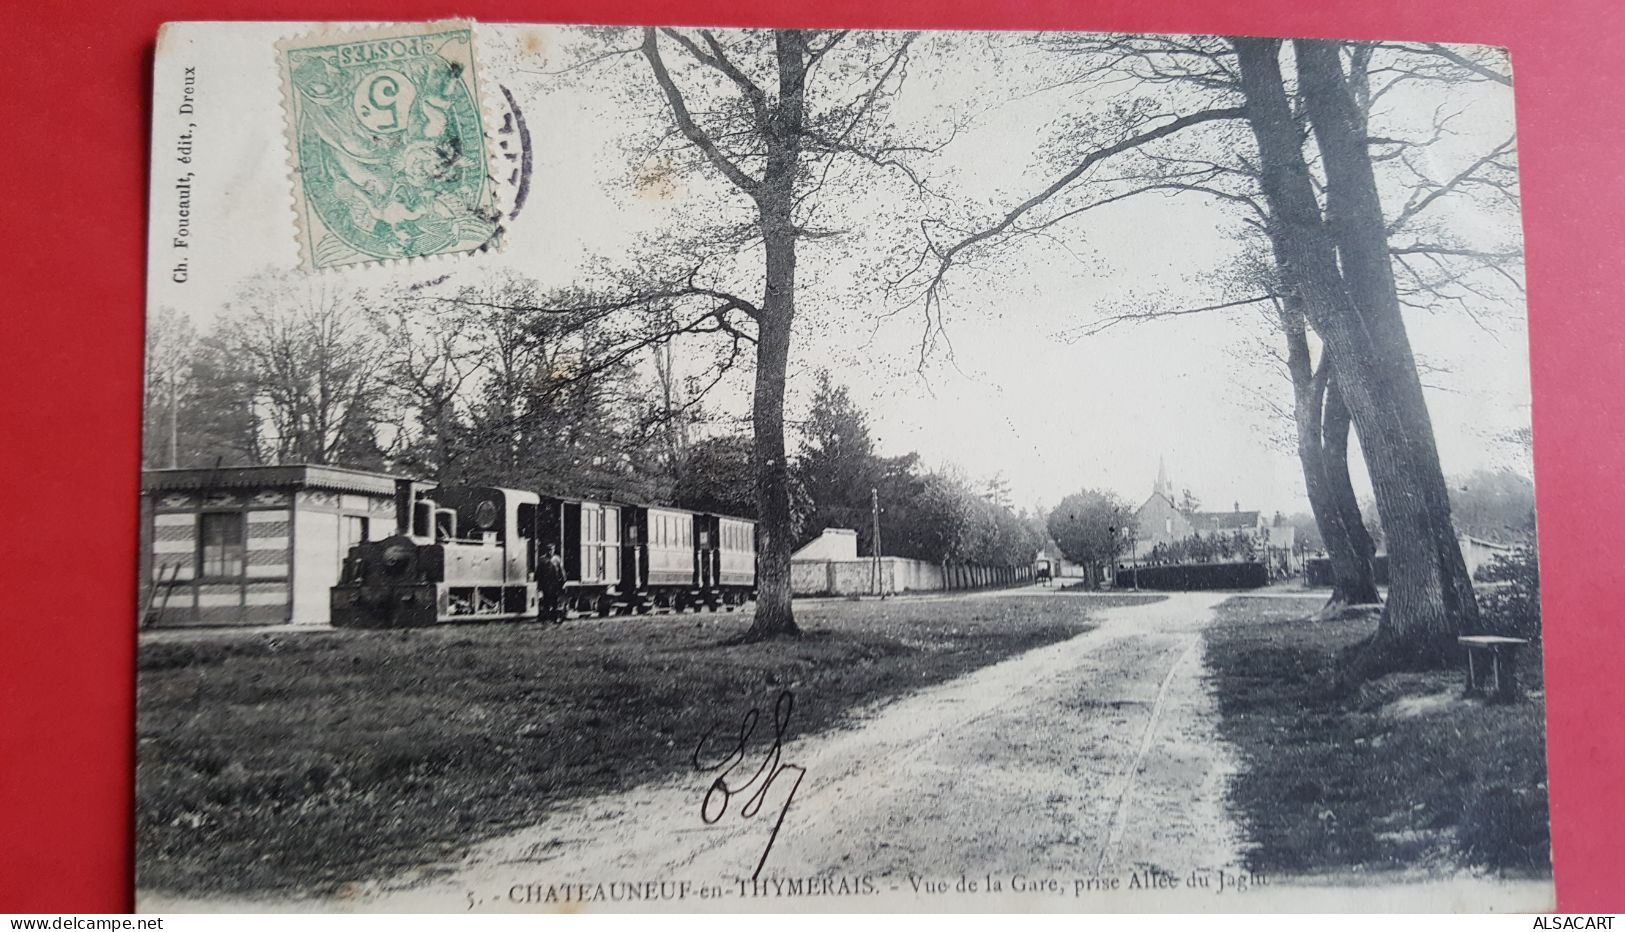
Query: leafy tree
{"x":836,"y":463}
{"x":1512,"y":608}
{"x":715,"y":476}
{"x":898,"y":482}
{"x":219,"y":417}
{"x":556,"y":403}
{"x":1091,"y":528}
{"x":1495,"y":505}
{"x":1189,"y":504}
{"x":998,"y":490}
{"x":942,"y":519}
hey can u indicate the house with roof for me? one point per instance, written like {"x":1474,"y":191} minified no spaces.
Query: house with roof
{"x":253,"y":545}
{"x":1050,"y":558}
{"x":1160,"y":521}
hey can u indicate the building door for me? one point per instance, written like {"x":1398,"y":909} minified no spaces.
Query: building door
{"x":315,"y":565}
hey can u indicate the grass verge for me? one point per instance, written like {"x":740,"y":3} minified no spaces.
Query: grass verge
{"x":1400,"y":773}
{"x":299,"y":762}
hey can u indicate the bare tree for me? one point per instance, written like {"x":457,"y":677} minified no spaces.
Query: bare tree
{"x":1336,"y":261}
{"x":553,"y":400}
{"x":1212,"y":96}
{"x":671,"y":417}
{"x":166,"y":384}
{"x":430,"y":357}
{"x":772,"y":141}
{"x":780,"y":118}
{"x":519,"y":357}
{"x":310,"y":360}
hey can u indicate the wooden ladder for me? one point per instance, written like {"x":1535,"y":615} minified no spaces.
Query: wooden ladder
{"x":148,"y":616}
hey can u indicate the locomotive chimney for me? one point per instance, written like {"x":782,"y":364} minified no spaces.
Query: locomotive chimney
{"x":404,"y":489}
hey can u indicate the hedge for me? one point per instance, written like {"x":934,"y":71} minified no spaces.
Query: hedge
{"x":1191,"y":576}
{"x":1317,"y":571}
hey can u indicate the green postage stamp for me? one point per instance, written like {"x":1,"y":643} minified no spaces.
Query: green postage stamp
{"x":386,"y":143}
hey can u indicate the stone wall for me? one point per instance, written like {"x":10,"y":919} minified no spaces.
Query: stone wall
{"x":897,"y":574}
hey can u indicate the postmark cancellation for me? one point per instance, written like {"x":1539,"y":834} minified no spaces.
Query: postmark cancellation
{"x":386,"y":143}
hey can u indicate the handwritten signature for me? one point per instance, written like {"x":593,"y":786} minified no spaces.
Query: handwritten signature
{"x":720,"y":794}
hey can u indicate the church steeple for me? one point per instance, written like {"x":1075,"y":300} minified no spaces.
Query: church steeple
{"x":1163,"y":487}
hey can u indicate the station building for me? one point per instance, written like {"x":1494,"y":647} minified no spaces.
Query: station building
{"x":253,"y":545}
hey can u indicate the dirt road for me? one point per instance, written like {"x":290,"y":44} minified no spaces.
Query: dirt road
{"x":1058,"y":774}
{"x":1091,"y":757}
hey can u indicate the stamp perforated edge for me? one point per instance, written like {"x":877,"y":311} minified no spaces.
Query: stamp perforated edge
{"x":328,"y":33}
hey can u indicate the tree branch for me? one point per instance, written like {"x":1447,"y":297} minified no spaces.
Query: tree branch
{"x":1421,"y":204}
{"x":1473,"y":66}
{"x":1106,"y":323}
{"x":1088,"y":161}
{"x":718,"y":59}
{"x":685,"y":121}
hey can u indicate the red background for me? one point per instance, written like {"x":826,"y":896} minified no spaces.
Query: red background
{"x":76,"y":133}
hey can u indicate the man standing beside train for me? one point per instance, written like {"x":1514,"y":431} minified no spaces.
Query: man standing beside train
{"x":552,"y":585}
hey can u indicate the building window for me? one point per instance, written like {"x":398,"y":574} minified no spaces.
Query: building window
{"x":220,"y":544}
{"x":354,"y":529}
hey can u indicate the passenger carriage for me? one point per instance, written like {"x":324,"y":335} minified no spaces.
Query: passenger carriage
{"x":671,"y":577}
{"x":734,"y":559}
{"x":475,"y":554}
{"x":587,"y":536}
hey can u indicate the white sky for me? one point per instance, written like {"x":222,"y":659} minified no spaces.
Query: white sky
{"x":1051,"y":416}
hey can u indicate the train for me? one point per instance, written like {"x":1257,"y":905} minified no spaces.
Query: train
{"x":478,"y":553}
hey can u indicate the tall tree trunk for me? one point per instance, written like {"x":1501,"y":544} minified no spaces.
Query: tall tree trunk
{"x":774,"y":615}
{"x":1338,"y":266}
{"x":1431,"y":598}
{"x":1352,"y":581}
{"x":775,"y":203}
{"x":1360,"y":587}
{"x":1308,"y":395}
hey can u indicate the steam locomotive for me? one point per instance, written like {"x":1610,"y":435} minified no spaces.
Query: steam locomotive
{"x":476,"y":553}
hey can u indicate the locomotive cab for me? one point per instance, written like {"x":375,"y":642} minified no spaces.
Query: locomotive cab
{"x":460,"y":554}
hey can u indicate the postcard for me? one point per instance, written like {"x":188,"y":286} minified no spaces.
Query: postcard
{"x":686,"y":469}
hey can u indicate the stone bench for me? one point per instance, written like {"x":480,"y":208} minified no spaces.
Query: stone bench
{"x":1492,"y":666}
